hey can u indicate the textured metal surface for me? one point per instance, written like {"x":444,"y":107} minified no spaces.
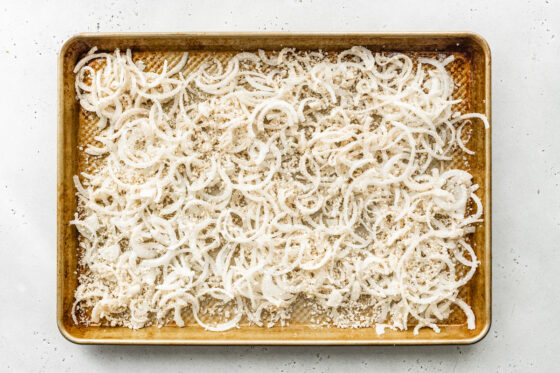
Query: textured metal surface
{"x":461,"y":70}
{"x":154,"y":61}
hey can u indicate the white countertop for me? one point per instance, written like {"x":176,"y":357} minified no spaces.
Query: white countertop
{"x":525,"y":40}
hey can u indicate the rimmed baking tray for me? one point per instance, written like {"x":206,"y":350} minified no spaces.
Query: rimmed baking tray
{"x":471,"y":70}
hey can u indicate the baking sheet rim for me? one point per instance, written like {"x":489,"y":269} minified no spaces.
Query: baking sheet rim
{"x":476,"y":38}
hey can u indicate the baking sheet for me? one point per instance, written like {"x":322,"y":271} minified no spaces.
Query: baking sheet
{"x":471,"y":72}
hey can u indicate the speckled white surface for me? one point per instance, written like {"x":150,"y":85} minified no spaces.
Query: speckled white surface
{"x":525,"y":40}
